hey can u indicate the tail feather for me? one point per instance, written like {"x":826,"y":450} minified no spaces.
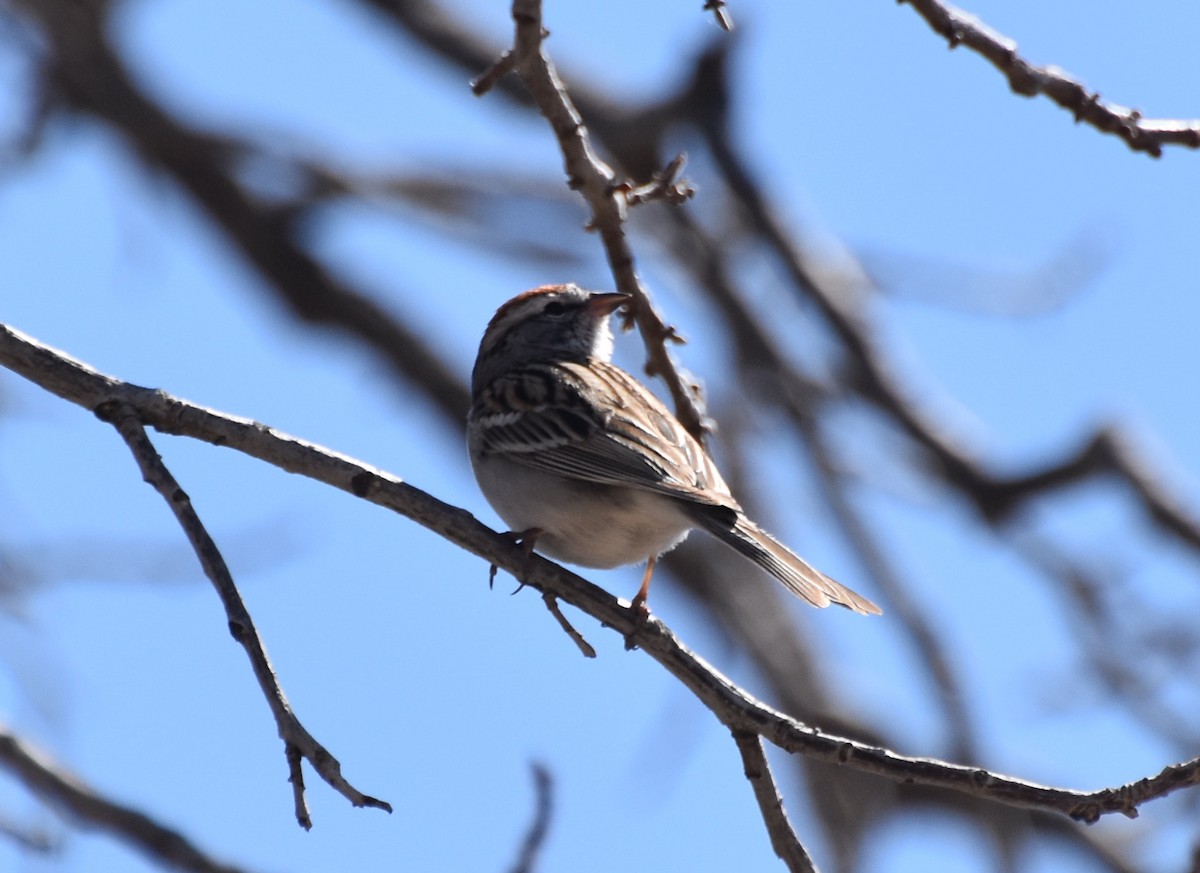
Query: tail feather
{"x":797,"y":575}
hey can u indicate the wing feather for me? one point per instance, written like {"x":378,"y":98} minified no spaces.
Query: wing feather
{"x":597,"y":423}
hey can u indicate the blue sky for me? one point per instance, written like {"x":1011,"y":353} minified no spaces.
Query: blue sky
{"x":436,"y":693}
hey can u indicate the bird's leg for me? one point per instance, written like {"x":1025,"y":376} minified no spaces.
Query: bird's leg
{"x":641,"y":612}
{"x":638,"y":604}
{"x":526,"y":539}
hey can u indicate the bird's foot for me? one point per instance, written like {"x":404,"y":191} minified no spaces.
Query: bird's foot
{"x":641,"y":615}
{"x":527,"y":540}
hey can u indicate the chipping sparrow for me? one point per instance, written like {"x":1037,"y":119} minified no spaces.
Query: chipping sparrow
{"x":588,"y":466}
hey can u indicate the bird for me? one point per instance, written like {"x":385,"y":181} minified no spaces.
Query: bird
{"x":586,"y":465}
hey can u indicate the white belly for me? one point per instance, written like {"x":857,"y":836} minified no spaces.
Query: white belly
{"x":582,"y":523}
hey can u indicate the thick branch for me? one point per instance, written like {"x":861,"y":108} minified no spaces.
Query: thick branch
{"x":61,"y":789}
{"x":1140,"y":134}
{"x":735,"y":708}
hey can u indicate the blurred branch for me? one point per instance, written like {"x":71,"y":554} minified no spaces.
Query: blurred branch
{"x":298,"y":742}
{"x":801,"y":400}
{"x":1059,"y":277}
{"x":490,"y":211}
{"x":839,"y":294}
{"x":92,"y":79}
{"x":64,"y":791}
{"x":28,"y":837}
{"x":1125,"y":664}
{"x":1140,"y":134}
{"x":739,"y":711}
{"x":535,"y":838}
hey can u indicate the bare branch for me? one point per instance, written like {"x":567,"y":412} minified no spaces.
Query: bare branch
{"x":37,"y":773}
{"x":738,"y":710}
{"x":1140,"y":134}
{"x":297,"y":740}
{"x":576,"y":636}
{"x":784,"y":841}
{"x":668,"y":185}
{"x":486,"y":81}
{"x":597,"y":183}
{"x":295,"y":762}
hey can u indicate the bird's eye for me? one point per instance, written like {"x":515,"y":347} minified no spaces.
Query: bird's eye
{"x":554,"y":309}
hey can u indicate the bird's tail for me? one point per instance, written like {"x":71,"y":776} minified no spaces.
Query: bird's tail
{"x":797,"y":575}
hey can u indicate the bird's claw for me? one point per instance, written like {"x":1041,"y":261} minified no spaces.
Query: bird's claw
{"x":526,"y":539}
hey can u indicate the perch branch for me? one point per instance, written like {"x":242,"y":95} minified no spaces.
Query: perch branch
{"x":80,"y":384}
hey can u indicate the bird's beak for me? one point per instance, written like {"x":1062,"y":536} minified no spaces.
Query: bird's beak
{"x":606,"y":304}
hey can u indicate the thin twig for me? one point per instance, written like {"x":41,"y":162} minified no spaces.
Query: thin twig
{"x":297,"y":740}
{"x":666,"y":185}
{"x":487,"y":80}
{"x":597,"y":183}
{"x":295,"y":762}
{"x":63,"y":790}
{"x":784,"y":841}
{"x":576,"y":636}
{"x":720,"y":12}
{"x":1140,"y":134}
{"x":734,"y":707}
